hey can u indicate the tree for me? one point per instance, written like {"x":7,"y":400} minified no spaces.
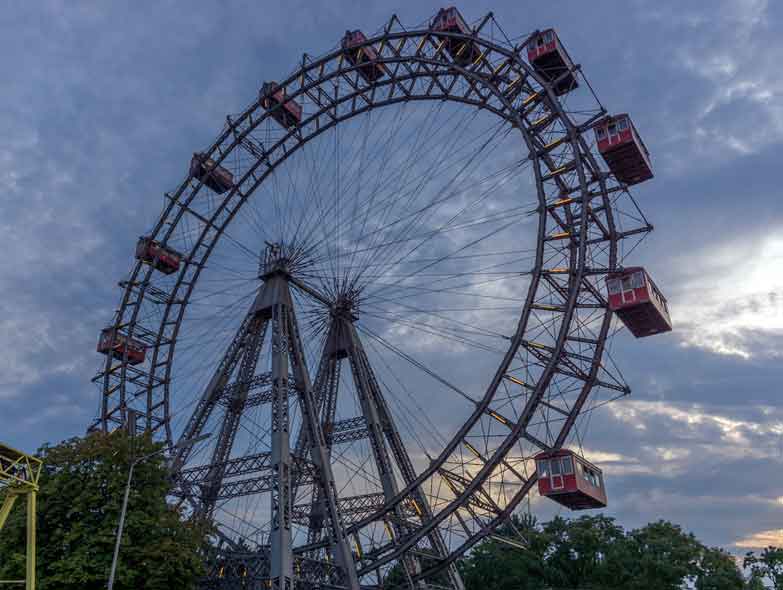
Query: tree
{"x":769,"y":565}
{"x":718,"y":571}
{"x":661,"y":556}
{"x":81,"y":489}
{"x":593,"y":552}
{"x":584,"y":552}
{"x":754,"y":582}
{"x":500,"y":566}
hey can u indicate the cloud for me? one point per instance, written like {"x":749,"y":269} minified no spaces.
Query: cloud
{"x":734,"y":304}
{"x":104,"y":106}
{"x":761,"y":540}
{"x":702,"y":427}
{"x":723,"y":64}
{"x":680,"y":461}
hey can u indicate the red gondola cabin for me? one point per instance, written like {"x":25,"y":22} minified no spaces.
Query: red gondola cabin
{"x":359,"y":56}
{"x":449,"y":20}
{"x":290,"y":114}
{"x":638,"y":302}
{"x":220,"y":180}
{"x":550,"y":59}
{"x":623,"y":150}
{"x":570,"y":480}
{"x":164,"y":259}
{"x":117,"y":344}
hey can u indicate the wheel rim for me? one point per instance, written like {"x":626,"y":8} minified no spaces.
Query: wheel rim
{"x":554,"y":358}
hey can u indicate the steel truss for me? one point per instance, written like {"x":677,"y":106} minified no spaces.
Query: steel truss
{"x":553,"y":361}
{"x":281,"y":472}
{"x":19,"y":475}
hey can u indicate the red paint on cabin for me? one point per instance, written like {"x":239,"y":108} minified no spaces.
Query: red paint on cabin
{"x":289,"y":114}
{"x":449,"y":20}
{"x":164,"y":259}
{"x":550,"y":59}
{"x":570,"y":480}
{"x":118,"y":344}
{"x":359,"y":54}
{"x":637,"y":302}
{"x":623,"y":150}
{"x":220,"y":180}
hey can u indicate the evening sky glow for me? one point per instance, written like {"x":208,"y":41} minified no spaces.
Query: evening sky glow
{"x":105,"y":105}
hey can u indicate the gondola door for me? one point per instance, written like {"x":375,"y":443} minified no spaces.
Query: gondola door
{"x":556,"y":479}
{"x":628,"y":285}
{"x":614,"y":133}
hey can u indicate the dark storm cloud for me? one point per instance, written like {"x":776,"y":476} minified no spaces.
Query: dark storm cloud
{"x":103,"y":106}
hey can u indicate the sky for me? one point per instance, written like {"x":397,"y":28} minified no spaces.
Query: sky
{"x":104,"y":103}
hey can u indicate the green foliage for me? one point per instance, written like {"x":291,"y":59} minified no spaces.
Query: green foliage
{"x":663,"y":555}
{"x":499,"y":566}
{"x":767,"y":566}
{"x":79,"y":502}
{"x":718,"y":571}
{"x":587,"y":548}
{"x":83,"y":481}
{"x":593,"y":552}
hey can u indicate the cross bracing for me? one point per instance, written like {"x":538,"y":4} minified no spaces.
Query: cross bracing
{"x":411,"y":211}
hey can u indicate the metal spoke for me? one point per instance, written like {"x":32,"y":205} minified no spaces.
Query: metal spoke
{"x":394,"y":206}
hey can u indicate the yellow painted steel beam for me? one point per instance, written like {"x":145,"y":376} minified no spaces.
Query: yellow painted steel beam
{"x":31,"y":518}
{"x":19,"y":472}
{"x":10,"y":499}
{"x":18,"y":468}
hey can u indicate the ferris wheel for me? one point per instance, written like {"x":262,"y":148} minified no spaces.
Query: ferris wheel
{"x":386,"y":291}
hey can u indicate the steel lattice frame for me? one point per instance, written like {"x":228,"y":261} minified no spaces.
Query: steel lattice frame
{"x":555,"y":355}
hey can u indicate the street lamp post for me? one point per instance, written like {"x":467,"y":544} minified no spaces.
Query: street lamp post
{"x":124,"y":510}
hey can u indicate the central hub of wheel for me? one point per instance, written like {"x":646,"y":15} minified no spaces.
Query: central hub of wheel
{"x":346,"y":306}
{"x":278,"y":260}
